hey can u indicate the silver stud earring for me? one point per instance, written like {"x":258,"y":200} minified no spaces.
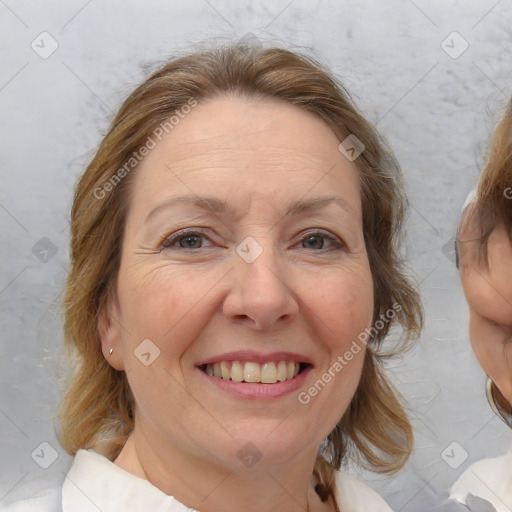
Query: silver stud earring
{"x":110,"y":351}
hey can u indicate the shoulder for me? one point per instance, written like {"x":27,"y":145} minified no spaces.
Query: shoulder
{"x":354,"y":496}
{"x":490,"y":479}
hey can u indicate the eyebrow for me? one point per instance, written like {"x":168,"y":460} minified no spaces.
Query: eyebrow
{"x":216,"y":206}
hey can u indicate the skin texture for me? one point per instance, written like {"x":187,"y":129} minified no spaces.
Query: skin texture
{"x":488,"y":291}
{"x":309,"y":297}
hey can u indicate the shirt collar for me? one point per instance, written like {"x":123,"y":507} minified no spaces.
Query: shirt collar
{"x":96,"y":484}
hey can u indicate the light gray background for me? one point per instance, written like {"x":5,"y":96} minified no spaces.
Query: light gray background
{"x":436,"y":111}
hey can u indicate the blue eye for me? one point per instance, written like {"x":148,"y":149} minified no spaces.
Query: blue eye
{"x":190,"y":240}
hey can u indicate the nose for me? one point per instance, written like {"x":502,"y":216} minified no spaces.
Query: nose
{"x":261,"y":295}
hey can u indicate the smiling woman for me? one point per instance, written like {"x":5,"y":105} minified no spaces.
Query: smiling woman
{"x":253,"y":246}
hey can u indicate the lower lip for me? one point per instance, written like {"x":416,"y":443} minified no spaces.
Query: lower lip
{"x":257,"y":390}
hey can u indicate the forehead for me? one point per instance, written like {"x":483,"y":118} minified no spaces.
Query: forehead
{"x":249,"y":146}
{"x":481,"y":246}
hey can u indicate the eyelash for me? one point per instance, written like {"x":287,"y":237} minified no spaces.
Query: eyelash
{"x":169,"y":241}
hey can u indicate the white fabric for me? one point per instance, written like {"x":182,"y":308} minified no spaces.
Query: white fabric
{"x":490,"y":479}
{"x":46,"y":501}
{"x":96,"y":484}
{"x":354,"y":496}
{"x":469,"y":199}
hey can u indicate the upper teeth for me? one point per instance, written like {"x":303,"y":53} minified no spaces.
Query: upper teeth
{"x":267,"y":373}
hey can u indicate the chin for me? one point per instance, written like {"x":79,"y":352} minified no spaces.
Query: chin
{"x":266,"y":443}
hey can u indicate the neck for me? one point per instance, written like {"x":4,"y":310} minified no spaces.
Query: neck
{"x":211,"y":486}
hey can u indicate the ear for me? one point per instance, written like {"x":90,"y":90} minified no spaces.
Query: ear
{"x":109,"y":330}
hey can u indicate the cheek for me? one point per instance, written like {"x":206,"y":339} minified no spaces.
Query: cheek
{"x":343,"y":303}
{"x":165,"y":304}
{"x":478,"y":343}
{"x":487,"y":342}
{"x":168,"y":306}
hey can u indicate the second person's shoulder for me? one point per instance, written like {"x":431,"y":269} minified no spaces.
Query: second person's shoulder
{"x":490,"y":479}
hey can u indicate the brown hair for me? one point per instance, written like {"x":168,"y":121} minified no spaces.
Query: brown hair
{"x":493,"y":201}
{"x":99,"y":403}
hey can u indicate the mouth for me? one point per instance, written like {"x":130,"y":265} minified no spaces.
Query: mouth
{"x":270,"y":372}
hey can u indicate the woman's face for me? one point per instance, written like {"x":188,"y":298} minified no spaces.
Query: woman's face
{"x":243,"y":255}
{"x":488,"y":291}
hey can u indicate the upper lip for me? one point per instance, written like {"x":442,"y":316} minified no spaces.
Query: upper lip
{"x":256,"y":357}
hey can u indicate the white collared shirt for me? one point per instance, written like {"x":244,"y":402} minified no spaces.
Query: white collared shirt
{"x":95,"y":484}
